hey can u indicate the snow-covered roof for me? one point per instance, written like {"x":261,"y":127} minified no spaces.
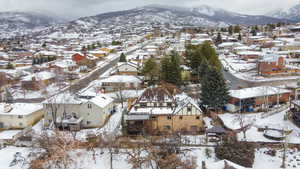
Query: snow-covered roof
{"x":39,"y":76}
{"x":270,"y":58}
{"x":257,"y":92}
{"x":249,"y":53}
{"x":121,"y":79}
{"x":102,"y":100}
{"x":19,"y":108}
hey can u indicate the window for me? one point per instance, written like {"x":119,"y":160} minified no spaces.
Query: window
{"x":169,"y":117}
{"x":169,"y":104}
{"x":189,"y":109}
{"x":194,"y":128}
{"x":153,"y":117}
{"x":21,"y":124}
{"x":89,"y":106}
{"x":167,"y":127}
{"x":198,"y":117}
{"x":88,"y":122}
{"x":180,"y":117}
{"x":143,"y":104}
{"x":20,"y":116}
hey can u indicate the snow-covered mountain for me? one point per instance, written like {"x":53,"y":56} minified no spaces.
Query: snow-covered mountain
{"x":292,"y":13}
{"x":197,"y":16}
{"x":19,"y":23}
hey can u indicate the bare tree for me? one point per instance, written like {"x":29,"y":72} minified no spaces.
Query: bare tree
{"x":57,"y":146}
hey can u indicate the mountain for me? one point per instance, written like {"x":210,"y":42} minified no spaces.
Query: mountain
{"x":197,"y":16}
{"x":19,"y":23}
{"x":292,"y":13}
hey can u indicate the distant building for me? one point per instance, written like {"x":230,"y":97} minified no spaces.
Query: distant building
{"x":271,"y":64}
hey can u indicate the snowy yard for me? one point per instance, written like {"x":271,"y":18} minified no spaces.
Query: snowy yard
{"x":253,"y":135}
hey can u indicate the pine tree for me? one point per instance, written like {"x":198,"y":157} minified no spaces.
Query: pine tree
{"x":122,"y":58}
{"x":170,"y":69}
{"x":230,"y":29}
{"x":215,"y":93}
{"x":150,"y":70}
{"x":236,"y":29}
{"x":219,"y":39}
{"x":240,"y":37}
{"x":211,"y":55}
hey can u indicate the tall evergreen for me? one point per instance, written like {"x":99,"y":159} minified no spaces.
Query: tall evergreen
{"x":236,"y":29}
{"x":211,"y":55}
{"x":215,"y":93}
{"x":122,"y":58}
{"x":230,"y":29}
{"x":150,"y":70}
{"x":240,"y":37}
{"x":170,"y":69}
{"x":219,"y":39}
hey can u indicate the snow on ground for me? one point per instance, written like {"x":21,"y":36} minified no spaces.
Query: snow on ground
{"x":7,"y":156}
{"x":253,"y":135}
{"x":262,"y":159}
{"x":29,"y":94}
{"x":8,"y":134}
{"x":101,"y":160}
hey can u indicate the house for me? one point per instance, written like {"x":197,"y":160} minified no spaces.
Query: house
{"x":64,"y":65}
{"x":249,"y":54}
{"x":78,"y":57}
{"x":121,"y":82}
{"x":19,"y":115}
{"x":162,"y":110}
{"x":37,"y":80}
{"x":73,"y":112}
{"x":127,"y":68}
{"x":256,"y":98}
{"x":271,"y":64}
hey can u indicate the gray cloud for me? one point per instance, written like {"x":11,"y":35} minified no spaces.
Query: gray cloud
{"x":79,"y":8}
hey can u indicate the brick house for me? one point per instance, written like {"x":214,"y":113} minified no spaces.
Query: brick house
{"x":271,"y":64}
{"x":256,"y":98}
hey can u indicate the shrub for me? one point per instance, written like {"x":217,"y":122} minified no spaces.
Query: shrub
{"x":237,"y":152}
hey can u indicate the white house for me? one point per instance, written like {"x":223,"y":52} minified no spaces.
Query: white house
{"x":127,"y":68}
{"x":74,"y":112}
{"x":19,"y":115}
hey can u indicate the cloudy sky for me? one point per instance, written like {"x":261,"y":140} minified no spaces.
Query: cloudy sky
{"x":77,"y":8}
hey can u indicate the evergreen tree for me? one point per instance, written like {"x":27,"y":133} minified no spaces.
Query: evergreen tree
{"x":150,"y":70}
{"x":170,"y":69}
{"x":230,"y":29}
{"x":122,"y":58}
{"x":214,"y":93}
{"x":211,"y":55}
{"x":44,"y":45}
{"x":240,"y":37}
{"x":236,"y":29}
{"x":10,"y":66}
{"x":219,"y":39}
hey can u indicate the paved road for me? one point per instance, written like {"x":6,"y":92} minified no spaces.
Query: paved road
{"x":84,"y":82}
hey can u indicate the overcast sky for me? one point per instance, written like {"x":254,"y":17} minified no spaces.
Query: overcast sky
{"x":79,"y":8}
